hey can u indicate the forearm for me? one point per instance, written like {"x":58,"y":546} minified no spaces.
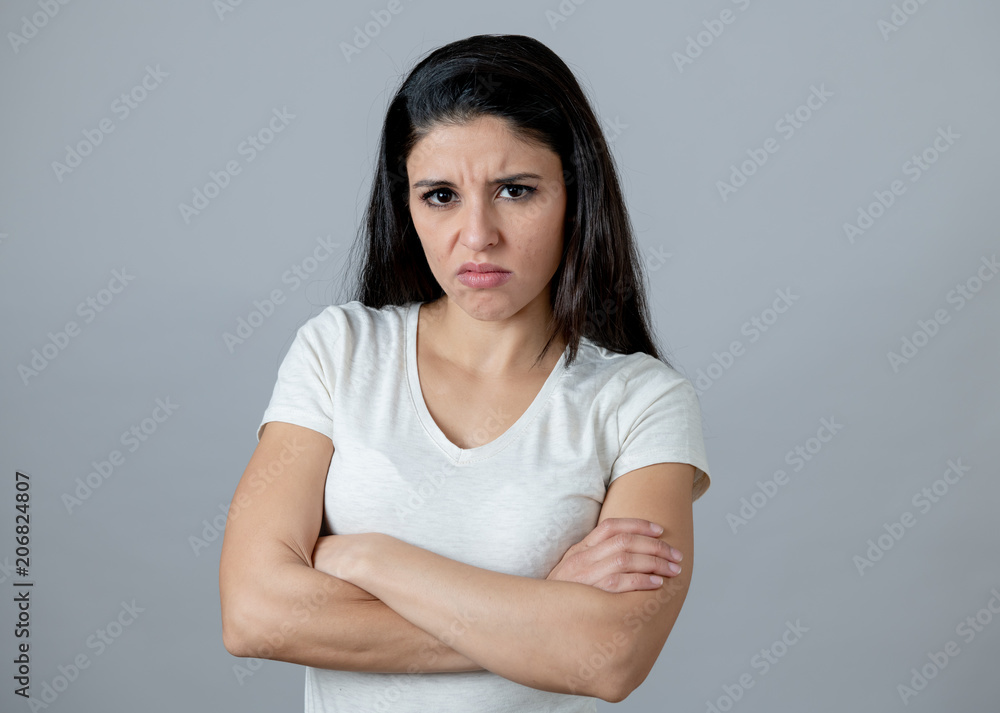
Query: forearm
{"x":532,"y":631}
{"x":297,"y":614}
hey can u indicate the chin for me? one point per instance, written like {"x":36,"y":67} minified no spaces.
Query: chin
{"x":486,"y":305}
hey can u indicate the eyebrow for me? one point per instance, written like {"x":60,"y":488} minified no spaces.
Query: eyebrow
{"x":496,"y":182}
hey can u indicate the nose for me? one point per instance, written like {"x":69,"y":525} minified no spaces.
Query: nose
{"x":479,"y":225}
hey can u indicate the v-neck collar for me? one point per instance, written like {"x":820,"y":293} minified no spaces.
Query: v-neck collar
{"x":467,"y":455}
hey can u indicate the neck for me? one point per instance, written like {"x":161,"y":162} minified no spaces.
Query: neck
{"x":487,"y":346}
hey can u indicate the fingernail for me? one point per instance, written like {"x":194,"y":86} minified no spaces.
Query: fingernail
{"x":673,"y":567}
{"x":678,"y":555}
{"x":655,"y":579}
{"x":658,"y":529}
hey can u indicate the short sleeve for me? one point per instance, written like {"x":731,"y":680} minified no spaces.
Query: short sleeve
{"x":659,"y":421}
{"x":302,"y":392}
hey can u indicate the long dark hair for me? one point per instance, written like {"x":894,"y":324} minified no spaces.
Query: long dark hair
{"x":598,"y":290}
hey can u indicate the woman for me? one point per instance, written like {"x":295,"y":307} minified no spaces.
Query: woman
{"x":487,"y":430}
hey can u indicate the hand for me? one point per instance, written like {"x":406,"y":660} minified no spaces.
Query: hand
{"x":328,"y":557}
{"x":618,"y":555}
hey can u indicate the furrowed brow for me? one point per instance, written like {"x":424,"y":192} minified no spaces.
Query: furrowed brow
{"x":428,"y":182}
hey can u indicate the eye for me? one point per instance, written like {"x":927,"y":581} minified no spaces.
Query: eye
{"x":520,"y":191}
{"x":436,"y":192}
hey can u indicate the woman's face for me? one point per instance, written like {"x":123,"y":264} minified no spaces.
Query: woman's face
{"x":479,"y":194}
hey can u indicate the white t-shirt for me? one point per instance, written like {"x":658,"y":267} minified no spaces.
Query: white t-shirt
{"x":513,"y":505}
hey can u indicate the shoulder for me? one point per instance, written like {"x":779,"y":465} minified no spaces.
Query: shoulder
{"x":643,"y":372}
{"x":634,"y":374}
{"x":649,"y":386}
{"x":355,"y":321}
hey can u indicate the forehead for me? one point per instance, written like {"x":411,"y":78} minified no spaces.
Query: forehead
{"x":484,"y":144}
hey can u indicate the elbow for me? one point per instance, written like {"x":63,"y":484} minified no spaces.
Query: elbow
{"x":627,"y":664}
{"x":236,"y":630}
{"x":612,"y":667}
{"x":255,"y":614}
{"x":622,"y":680}
{"x":618,"y":686}
{"x":616,"y":696}
{"x":245,"y":626}
{"x":244,"y":611}
{"x":235,"y":644}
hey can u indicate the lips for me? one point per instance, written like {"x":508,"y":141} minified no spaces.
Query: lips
{"x":480,"y":267}
{"x":484,"y":280}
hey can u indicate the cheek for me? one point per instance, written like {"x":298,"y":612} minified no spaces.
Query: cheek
{"x":424,"y":231}
{"x":542,"y":248}
{"x":554,"y":218}
{"x":428,"y":225}
{"x":541,"y":219}
{"x":435,"y":254}
{"x":546,"y":233}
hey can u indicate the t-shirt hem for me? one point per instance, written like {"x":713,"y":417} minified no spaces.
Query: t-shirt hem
{"x":297,"y":418}
{"x":634,"y":461}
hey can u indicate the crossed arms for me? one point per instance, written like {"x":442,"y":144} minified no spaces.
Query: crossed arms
{"x":371,"y":602}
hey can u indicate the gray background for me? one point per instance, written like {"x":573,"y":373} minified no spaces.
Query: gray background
{"x":713,"y":265}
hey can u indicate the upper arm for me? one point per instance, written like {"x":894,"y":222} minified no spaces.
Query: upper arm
{"x":660,"y":493}
{"x":277,"y":509}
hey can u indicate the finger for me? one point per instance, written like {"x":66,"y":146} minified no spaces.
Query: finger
{"x":668,"y":551}
{"x":625,"y":542}
{"x":618,"y":583}
{"x":621,"y":525}
{"x":628,"y":563}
